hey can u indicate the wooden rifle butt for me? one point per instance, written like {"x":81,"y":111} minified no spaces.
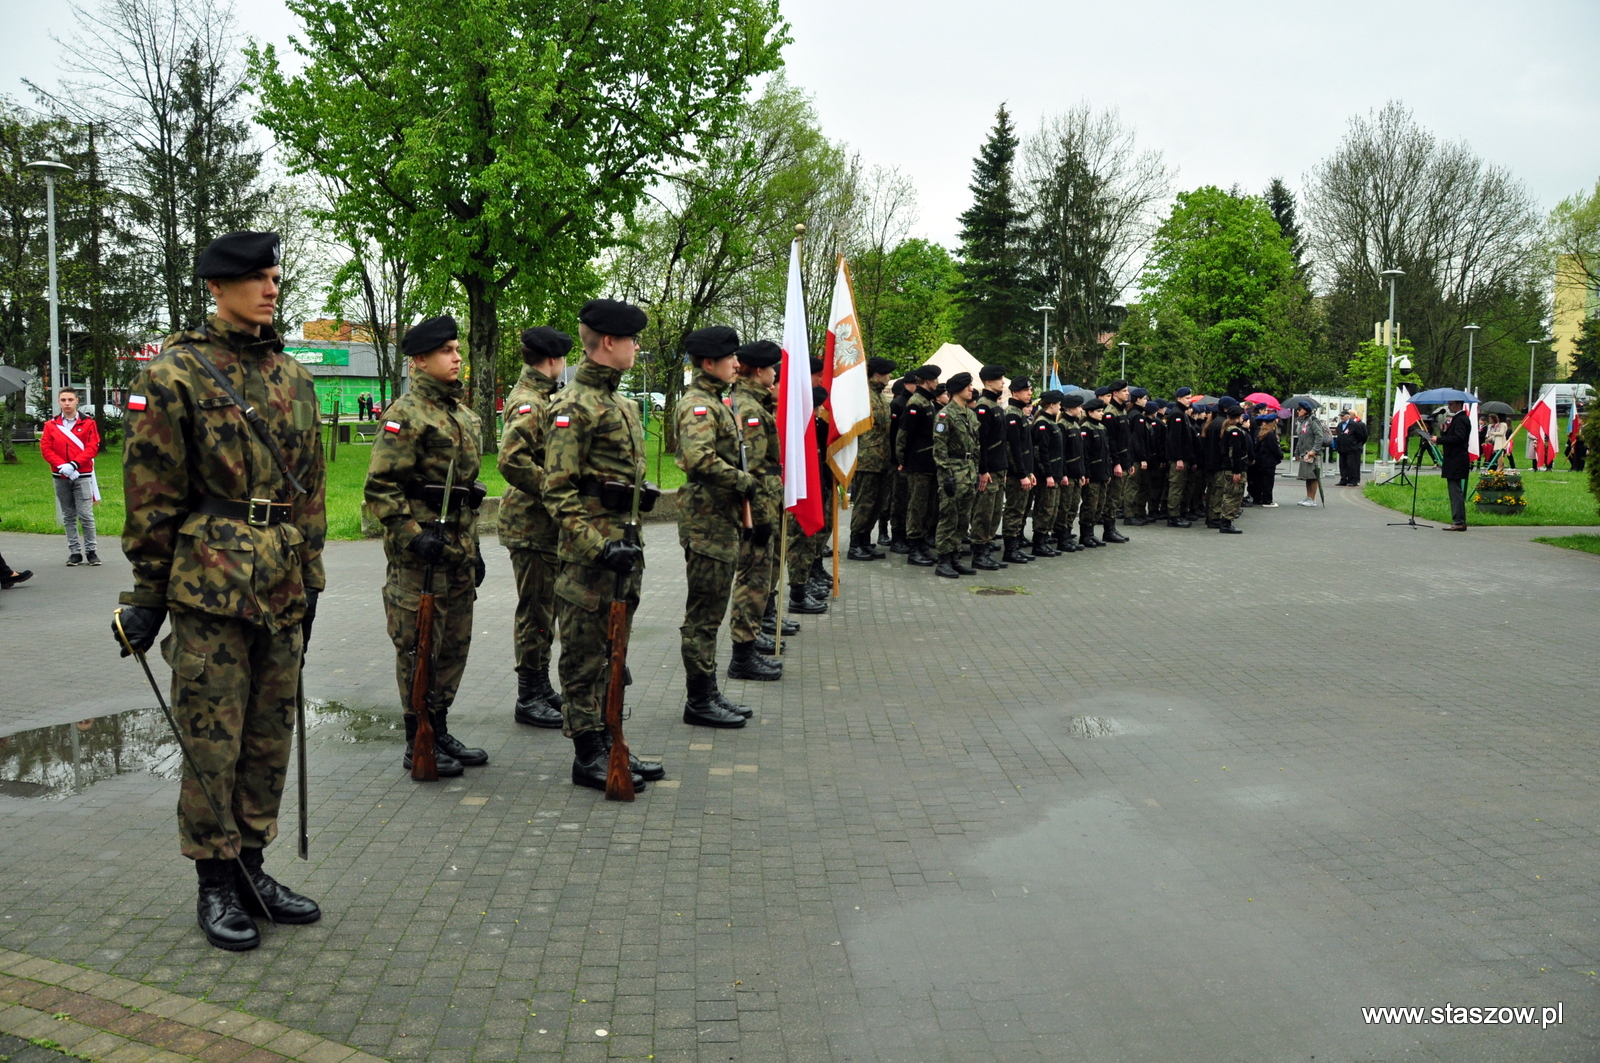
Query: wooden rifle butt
{"x":619,"y":775}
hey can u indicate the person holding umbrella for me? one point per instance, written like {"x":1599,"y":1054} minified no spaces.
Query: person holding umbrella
{"x":1456,"y":465}
{"x":1309,"y":439}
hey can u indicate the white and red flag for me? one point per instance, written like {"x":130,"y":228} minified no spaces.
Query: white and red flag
{"x":1474,"y":450}
{"x":1405,"y":415}
{"x":845,"y":363}
{"x":802,"y":478}
{"x":1542,"y":429}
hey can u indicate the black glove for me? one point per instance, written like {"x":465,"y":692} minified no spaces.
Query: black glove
{"x":750,"y":493}
{"x":430,"y":544}
{"x":950,"y":487}
{"x":479,"y":570}
{"x":621,"y":557}
{"x":140,"y":623}
{"x":309,"y":619}
{"x":761,"y":534}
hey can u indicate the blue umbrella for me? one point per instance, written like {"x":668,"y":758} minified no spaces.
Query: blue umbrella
{"x":1438,"y":395}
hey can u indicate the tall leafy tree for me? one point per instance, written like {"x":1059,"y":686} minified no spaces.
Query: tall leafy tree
{"x":509,"y":134}
{"x":993,"y":319}
{"x":912,"y":291}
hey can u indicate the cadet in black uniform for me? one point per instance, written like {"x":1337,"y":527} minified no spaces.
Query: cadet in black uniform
{"x":990,"y":506}
{"x":1019,"y":469}
{"x":916,"y":445}
{"x":1097,"y":465}
{"x":1048,"y":466}
{"x":1234,"y":455}
{"x":1073,"y":472}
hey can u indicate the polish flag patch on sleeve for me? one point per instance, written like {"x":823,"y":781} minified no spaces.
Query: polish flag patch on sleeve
{"x":525,"y":409}
{"x":392,"y":426}
{"x":701,"y":411}
{"x":753,"y":422}
{"x":563,"y":421}
{"x":136,"y":402}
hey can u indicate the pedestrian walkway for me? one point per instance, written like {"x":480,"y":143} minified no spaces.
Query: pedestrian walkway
{"x":1194,"y":797}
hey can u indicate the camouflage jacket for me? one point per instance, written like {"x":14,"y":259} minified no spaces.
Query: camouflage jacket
{"x":524,"y":522}
{"x":916,"y":434}
{"x":187,"y":440}
{"x":758,"y":417}
{"x":708,"y":454}
{"x":955,"y":444}
{"x":421,"y":434}
{"x":594,"y":435}
{"x":872,"y":446}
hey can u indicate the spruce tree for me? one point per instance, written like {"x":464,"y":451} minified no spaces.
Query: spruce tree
{"x":1281,"y":202}
{"x":993,"y":319}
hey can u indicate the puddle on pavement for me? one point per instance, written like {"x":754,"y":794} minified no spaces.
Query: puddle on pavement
{"x":1093,"y":727}
{"x":50,"y":762}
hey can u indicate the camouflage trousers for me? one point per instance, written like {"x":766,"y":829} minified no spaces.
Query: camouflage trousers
{"x":1094,"y":500}
{"x":1226,"y":500}
{"x":1198,"y":480}
{"x":710,"y":587}
{"x":1177,"y":490}
{"x":805,"y":549}
{"x":955,"y":517}
{"x":898,"y":498}
{"x":866,"y":501}
{"x":1155,"y":488}
{"x":233,"y":695}
{"x":534,"y":629}
{"x":752,"y":583}
{"x":583,"y":616}
{"x":453,"y":597}
{"x":1068,"y":498}
{"x":1045,"y":500}
{"x":986,"y":510}
{"x":1016,"y":511}
{"x":921,"y":518}
{"x":1133,"y":491}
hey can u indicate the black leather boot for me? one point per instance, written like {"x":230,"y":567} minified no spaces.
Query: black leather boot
{"x":283,"y":905}
{"x":728,"y":705}
{"x":1086,"y":540}
{"x":1065,"y":543}
{"x":591,"y":759}
{"x":1014,"y":554}
{"x":769,"y":619}
{"x":819,"y":587}
{"x":1110,"y":533}
{"x":1178,"y":522}
{"x":649,"y":770}
{"x":702,"y":708}
{"x":748,"y":664}
{"x":1044,"y":546}
{"x":449,"y":766}
{"x":222,"y":917}
{"x":900,"y":545}
{"x":768,"y":645}
{"x":445,"y":742}
{"x":861,"y":549}
{"x":961,"y":566}
{"x":801,"y":602}
{"x":1226,"y":528}
{"x":983,"y":558}
{"x":532,"y":707}
{"x":946,"y":567}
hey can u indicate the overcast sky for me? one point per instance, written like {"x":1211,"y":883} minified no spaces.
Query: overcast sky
{"x":1229,"y":93}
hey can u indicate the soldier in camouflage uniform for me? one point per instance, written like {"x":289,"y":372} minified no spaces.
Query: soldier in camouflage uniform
{"x":709,"y":524}
{"x":1069,"y":498}
{"x":955,"y":454}
{"x":226,"y":529}
{"x":428,"y":437}
{"x":916,"y":449}
{"x":594,"y":455}
{"x":526,"y":528}
{"x":755,"y":408}
{"x":1233,"y":458}
{"x":869,"y":483}
{"x":901,"y":393}
{"x":989,"y":505}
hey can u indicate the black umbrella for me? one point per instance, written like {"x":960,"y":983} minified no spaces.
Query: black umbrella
{"x":12,"y":379}
{"x":1497,"y":407}
{"x":1294,"y":400}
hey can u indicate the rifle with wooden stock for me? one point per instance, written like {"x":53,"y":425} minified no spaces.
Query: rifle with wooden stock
{"x":746,"y":517}
{"x":424,"y":762}
{"x":619,"y":773}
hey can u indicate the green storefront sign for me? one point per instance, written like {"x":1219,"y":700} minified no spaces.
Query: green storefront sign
{"x":319,"y":355}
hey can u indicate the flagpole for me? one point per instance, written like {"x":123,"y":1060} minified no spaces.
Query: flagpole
{"x":784,"y":516}
{"x":836,"y":490}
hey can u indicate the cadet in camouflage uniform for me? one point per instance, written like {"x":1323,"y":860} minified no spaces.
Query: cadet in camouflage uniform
{"x":1020,"y":478}
{"x":755,"y":407}
{"x":593,"y":457}
{"x":990,"y":502}
{"x":709,"y":528}
{"x":869,"y":485}
{"x":217,"y":531}
{"x":427,"y":436}
{"x":955,"y":453}
{"x":1074,"y":472}
{"x":903,"y":390}
{"x":526,"y":528}
{"x":1049,"y":463}
{"x":1181,"y":458}
{"x":1227,"y":484}
{"x":916,"y":448}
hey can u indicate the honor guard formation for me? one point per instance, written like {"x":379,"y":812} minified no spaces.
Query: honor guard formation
{"x":224,"y":484}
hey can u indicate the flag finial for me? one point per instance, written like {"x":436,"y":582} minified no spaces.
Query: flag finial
{"x":800,"y":228}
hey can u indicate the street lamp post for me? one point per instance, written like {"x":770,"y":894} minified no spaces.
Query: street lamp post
{"x":1388,"y":368}
{"x":51,"y":170}
{"x":1533,"y":352}
{"x":1044,"y":361}
{"x":1472,"y":334}
{"x":1124,"y":345}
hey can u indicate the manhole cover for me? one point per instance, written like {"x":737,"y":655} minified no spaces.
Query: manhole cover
{"x":1092,"y":726}
{"x":998,"y":592}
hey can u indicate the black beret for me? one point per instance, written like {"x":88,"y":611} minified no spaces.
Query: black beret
{"x":1227,"y":400}
{"x":819,"y":395}
{"x":1304,"y":405}
{"x":544,"y":343}
{"x":235,"y":254}
{"x":928,"y":372}
{"x":879,"y":366}
{"x":910,"y":379}
{"x":715,"y":341}
{"x":1184,"y":393}
{"x":940,"y":389}
{"x":959,"y":383}
{"x":816,"y":365}
{"x":1021,"y":383}
{"x":1102,"y":392}
{"x":1072,"y":402}
{"x":1137,"y":393}
{"x":1050,"y":398}
{"x":1094,"y":404}
{"x":992,"y":372}
{"x":612,"y":317}
{"x":1117,"y":385}
{"x":429,"y":335}
{"x":759,"y":354}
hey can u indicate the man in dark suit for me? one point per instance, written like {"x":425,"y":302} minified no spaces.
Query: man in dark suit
{"x":1350,"y":440}
{"x":1457,"y":464}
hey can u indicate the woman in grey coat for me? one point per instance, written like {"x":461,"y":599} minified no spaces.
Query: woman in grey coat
{"x":1309,"y":439}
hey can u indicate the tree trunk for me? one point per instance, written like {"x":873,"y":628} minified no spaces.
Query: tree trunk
{"x":8,"y":417}
{"x":483,"y":353}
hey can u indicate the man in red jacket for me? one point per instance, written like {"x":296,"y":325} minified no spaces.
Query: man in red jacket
{"x":69,"y":445}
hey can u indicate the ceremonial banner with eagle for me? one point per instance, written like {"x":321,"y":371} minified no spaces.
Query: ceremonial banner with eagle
{"x":845,"y":359}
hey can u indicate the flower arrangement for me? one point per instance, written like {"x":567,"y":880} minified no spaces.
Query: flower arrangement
{"x":1500,"y":491}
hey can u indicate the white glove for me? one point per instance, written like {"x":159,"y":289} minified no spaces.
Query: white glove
{"x":68,"y":470}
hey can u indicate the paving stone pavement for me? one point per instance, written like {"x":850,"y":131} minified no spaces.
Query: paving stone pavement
{"x":1195,"y":797}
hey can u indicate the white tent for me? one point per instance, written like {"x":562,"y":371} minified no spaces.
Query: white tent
{"x":953,"y":358}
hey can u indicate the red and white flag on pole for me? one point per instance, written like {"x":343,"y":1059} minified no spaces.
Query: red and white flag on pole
{"x":1542,"y":429}
{"x":849,"y":404}
{"x":1405,"y":415}
{"x":802,"y":479}
{"x":1474,"y":450}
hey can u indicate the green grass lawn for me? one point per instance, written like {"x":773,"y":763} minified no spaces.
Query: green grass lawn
{"x":1589,"y":544}
{"x":27,"y":496}
{"x":1558,"y":497}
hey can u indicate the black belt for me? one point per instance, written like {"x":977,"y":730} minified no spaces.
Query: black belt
{"x":617,"y":495}
{"x":260,"y":512}
{"x":469,"y":496}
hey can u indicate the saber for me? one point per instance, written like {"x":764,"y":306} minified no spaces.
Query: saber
{"x":300,"y":750}
{"x":188,"y":758}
